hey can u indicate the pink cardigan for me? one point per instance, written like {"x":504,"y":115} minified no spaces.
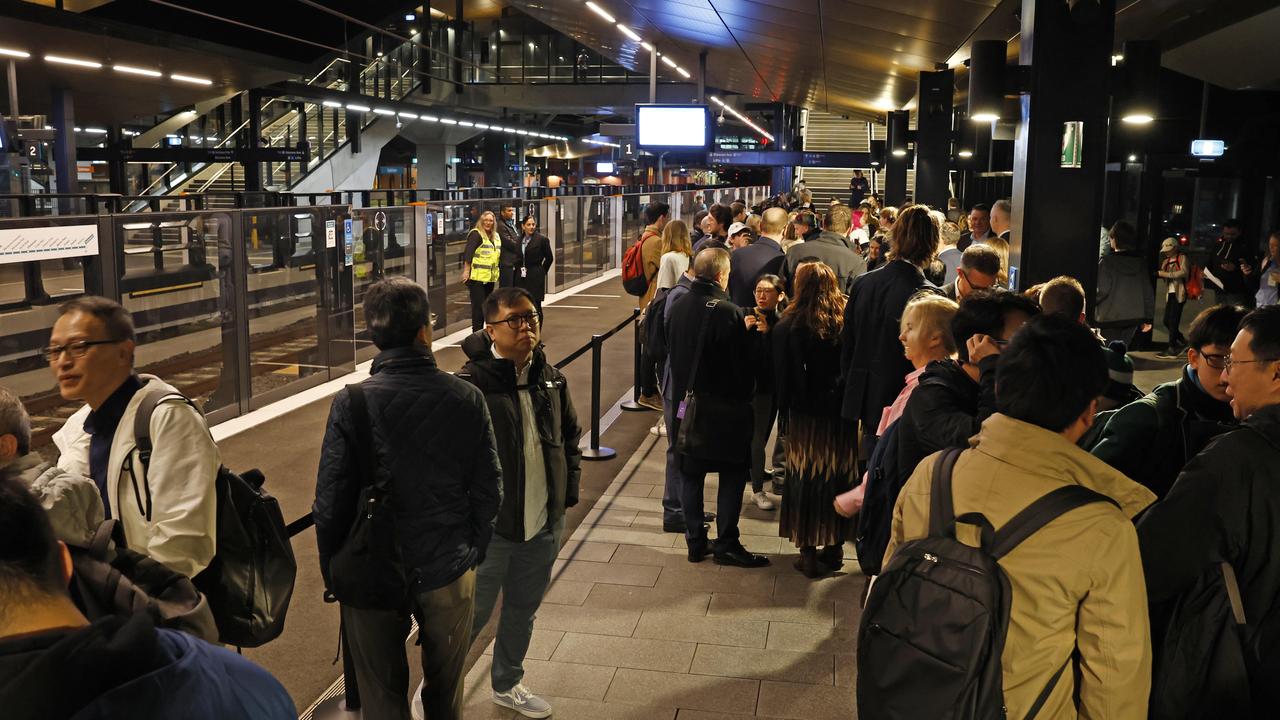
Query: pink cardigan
{"x":850,"y":502}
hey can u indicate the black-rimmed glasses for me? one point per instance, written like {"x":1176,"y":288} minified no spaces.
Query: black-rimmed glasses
{"x":76,"y":349}
{"x":515,"y":321}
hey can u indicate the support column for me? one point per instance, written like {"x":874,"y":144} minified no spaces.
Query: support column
{"x":495,"y":160}
{"x":62,"y":115}
{"x":781,"y":176}
{"x":895,"y":166}
{"x":433,"y":166}
{"x":1057,"y":211}
{"x":253,"y":168}
{"x":933,"y":138}
{"x":353,"y":118}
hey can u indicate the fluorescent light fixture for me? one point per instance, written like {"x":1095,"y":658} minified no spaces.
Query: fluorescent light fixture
{"x":668,"y":61}
{"x":59,"y":60}
{"x":10,"y":52}
{"x":179,"y":179}
{"x":430,"y":118}
{"x":130,"y":70}
{"x":447,"y":121}
{"x":899,"y":152}
{"x":646,"y":46}
{"x":96,"y":131}
{"x":589,"y":141}
{"x":600,"y":11}
{"x":1133,"y":158}
{"x":408,"y":115}
{"x":384,"y":111}
{"x":410,"y":17}
{"x":522,"y":132}
{"x":1137,"y":119}
{"x":190,"y":79}
{"x":683,"y":73}
{"x":985,"y":117}
{"x":482,"y":126}
{"x":357,"y":108}
{"x":332,"y":103}
{"x":78,"y":129}
{"x":509,"y":130}
{"x":965,"y":153}
{"x":629,"y":32}
{"x":465,"y":123}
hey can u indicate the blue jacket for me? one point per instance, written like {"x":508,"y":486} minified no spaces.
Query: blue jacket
{"x":434,"y":439}
{"x":126,"y":668}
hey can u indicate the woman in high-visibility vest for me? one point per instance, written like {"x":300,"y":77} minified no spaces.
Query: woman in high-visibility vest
{"x":480,"y":264}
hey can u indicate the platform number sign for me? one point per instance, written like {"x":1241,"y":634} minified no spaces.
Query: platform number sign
{"x":348,"y":243}
{"x":1072,"y":140}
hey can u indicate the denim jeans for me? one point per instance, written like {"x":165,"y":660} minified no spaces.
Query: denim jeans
{"x":673,"y":486}
{"x":522,"y":571}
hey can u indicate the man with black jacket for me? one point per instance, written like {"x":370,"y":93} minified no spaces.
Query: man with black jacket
{"x":955,"y":396}
{"x":1153,"y":438}
{"x":537,"y":432}
{"x":1225,"y":507}
{"x":708,"y":349}
{"x":1233,"y":261}
{"x":509,"y":256}
{"x":433,"y":446}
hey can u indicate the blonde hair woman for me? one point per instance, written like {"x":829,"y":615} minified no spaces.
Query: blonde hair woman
{"x":676,"y":250}
{"x":1001,"y":247}
{"x":480,"y":264}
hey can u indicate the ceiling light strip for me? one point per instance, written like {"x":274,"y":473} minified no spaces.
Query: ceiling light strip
{"x":60,"y":60}
{"x":741,"y":117}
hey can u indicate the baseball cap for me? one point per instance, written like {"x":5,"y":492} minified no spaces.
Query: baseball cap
{"x":736,"y":228}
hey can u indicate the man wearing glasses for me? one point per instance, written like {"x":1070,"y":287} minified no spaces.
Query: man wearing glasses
{"x":166,"y":507}
{"x":537,"y":436}
{"x":979,"y":269}
{"x":1153,"y":438}
{"x":1225,"y":507}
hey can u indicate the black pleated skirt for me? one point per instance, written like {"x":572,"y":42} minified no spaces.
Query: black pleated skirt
{"x":822,"y":455}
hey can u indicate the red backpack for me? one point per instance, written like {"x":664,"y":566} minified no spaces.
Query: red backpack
{"x":1195,"y":282}
{"x":634,"y":279}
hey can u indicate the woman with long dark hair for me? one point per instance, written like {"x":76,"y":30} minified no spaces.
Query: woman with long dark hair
{"x":534,"y":260}
{"x":821,"y":446}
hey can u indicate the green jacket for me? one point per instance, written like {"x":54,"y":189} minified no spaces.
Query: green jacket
{"x":1153,"y":438}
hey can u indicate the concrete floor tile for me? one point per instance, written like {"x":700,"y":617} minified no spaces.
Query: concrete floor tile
{"x":593,"y":551}
{"x":808,"y":702}
{"x":706,"y":630}
{"x":647,"y":519}
{"x":664,"y":689}
{"x":765,"y":527}
{"x":802,"y":637}
{"x":622,"y":597}
{"x":577,"y":709}
{"x":801,"y":667}
{"x":638,"y":653}
{"x":613,"y":518}
{"x":687,"y":714}
{"x":838,"y":586}
{"x":761,"y":544}
{"x":754,"y":607}
{"x":567,"y":592}
{"x":627,"y":502}
{"x":630,"y":490}
{"x":541,"y":645}
{"x":655,"y":491}
{"x":676,"y":556}
{"x":596,"y":621}
{"x":706,"y":577}
{"x":614,"y":573}
{"x":625,"y":536}
{"x":849,"y":613}
{"x":576,"y":680}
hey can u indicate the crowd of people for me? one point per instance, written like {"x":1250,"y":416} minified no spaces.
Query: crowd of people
{"x":912,"y":400}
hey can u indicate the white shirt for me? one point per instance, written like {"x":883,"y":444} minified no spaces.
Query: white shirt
{"x":670,"y":267}
{"x":536,"y":494}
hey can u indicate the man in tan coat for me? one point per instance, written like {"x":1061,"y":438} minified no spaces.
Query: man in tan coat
{"x":656,"y":215}
{"x":1078,"y":589}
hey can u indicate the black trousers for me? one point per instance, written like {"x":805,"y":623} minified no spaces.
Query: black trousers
{"x":728,"y":502}
{"x":478,"y":291}
{"x":1173,"y":320}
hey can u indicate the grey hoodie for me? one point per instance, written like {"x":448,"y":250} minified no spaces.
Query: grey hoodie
{"x":72,"y":502}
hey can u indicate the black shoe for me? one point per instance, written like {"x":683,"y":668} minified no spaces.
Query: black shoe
{"x":708,"y":517}
{"x":738,"y":556}
{"x":832,"y":556}
{"x":698,"y":550}
{"x":674,"y":526}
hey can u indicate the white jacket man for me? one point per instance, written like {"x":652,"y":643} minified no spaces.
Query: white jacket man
{"x":167,"y":511}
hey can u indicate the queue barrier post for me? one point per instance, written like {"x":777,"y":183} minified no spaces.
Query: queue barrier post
{"x":593,"y":451}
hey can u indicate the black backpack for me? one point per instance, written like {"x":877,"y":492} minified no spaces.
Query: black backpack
{"x":884,"y":481}
{"x":935,"y":622}
{"x":110,"y":580}
{"x":250,"y":580}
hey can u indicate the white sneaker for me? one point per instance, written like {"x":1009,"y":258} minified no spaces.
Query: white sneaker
{"x":762,"y":500}
{"x":519,"y":698}
{"x":659,"y":429}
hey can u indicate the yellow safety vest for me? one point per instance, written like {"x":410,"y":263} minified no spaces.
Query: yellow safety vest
{"x":484,"y":262}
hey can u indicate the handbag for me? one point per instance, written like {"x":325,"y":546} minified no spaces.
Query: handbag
{"x":708,"y":424}
{"x":367,"y":572}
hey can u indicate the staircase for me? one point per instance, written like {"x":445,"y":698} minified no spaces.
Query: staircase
{"x":824,"y":132}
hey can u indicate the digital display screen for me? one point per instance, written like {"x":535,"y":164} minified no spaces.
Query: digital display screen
{"x":1208,"y":148}
{"x":681,"y":127}
{"x":604,"y":167}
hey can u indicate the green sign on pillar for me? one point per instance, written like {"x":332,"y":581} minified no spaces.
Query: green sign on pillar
{"x":1072,"y":138}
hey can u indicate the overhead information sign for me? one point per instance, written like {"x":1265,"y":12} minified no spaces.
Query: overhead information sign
{"x":788,"y":157}
{"x":1208,"y":148}
{"x":195,"y":154}
{"x":47,"y":243}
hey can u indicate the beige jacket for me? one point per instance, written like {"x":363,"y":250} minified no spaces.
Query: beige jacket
{"x":651,"y":252}
{"x":183,"y":469}
{"x":1077,"y":583}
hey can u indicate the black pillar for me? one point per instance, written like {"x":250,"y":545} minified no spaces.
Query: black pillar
{"x":933,"y":138}
{"x":354,"y":118}
{"x":63,"y":117}
{"x":895,"y":165}
{"x":253,"y":140}
{"x":117,"y":177}
{"x":495,"y":160}
{"x":1057,"y":211}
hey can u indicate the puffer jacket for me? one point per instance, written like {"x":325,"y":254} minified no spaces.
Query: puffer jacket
{"x":181,"y":529}
{"x":433,"y":437}
{"x":945,"y":410}
{"x":1077,"y":586}
{"x":71,"y":502}
{"x":557,"y":424}
{"x":1126,"y":295}
{"x":1225,"y":506}
{"x":1151,"y":439}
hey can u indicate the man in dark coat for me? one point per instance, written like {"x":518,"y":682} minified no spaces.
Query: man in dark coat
{"x":762,"y":257}
{"x":717,"y":368}
{"x":55,"y":664}
{"x":829,"y":246}
{"x":1225,"y":506}
{"x":979,"y":227}
{"x":1153,"y":438}
{"x":537,"y":432}
{"x":433,"y":442}
{"x":509,"y":257}
{"x":1232,"y":256}
{"x":872,"y":362}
